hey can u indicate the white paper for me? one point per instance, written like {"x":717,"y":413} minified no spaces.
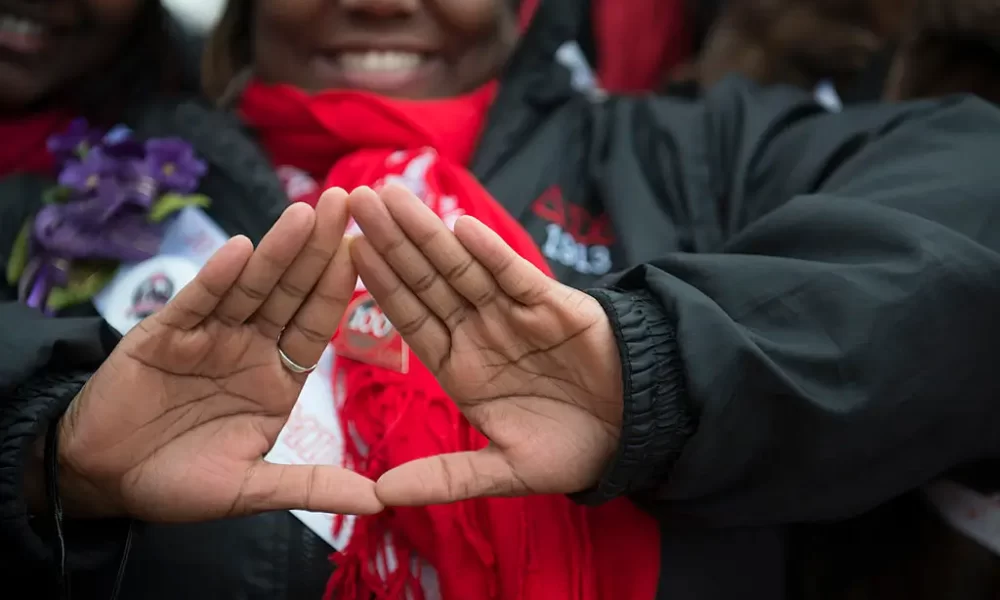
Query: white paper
{"x":190,"y":239}
{"x":312,"y":436}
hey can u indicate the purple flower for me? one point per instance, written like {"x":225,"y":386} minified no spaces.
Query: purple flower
{"x":85,"y":176}
{"x":113,"y":182}
{"x":125,"y":149}
{"x":172,"y":163}
{"x":75,"y":142}
{"x":108,"y":184}
{"x":96,"y":211}
{"x":139,"y":187}
{"x":41,"y":275}
{"x":68,"y":232}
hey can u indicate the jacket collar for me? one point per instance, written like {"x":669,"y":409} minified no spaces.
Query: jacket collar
{"x":534,"y":83}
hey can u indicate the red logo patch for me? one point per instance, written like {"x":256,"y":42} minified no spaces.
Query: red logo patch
{"x":366,"y":335}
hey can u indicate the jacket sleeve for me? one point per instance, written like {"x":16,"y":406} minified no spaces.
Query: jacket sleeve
{"x":43,"y":365}
{"x":838,"y":349}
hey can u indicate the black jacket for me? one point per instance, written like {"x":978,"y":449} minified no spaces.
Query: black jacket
{"x":808,"y":335}
{"x":803,"y":341}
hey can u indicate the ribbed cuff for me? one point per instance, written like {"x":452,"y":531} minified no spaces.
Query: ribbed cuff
{"x":34,"y":407}
{"x":656,"y":419}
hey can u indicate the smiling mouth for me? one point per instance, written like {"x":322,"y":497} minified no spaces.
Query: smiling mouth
{"x":382,"y":70}
{"x":379,"y":61}
{"x":22,"y":35}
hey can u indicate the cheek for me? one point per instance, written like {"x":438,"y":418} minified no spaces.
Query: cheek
{"x":468,"y":16}
{"x":297,"y":15}
{"x":279,"y":30}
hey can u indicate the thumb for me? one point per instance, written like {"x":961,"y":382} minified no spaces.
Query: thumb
{"x":316,"y":488}
{"x":450,"y":478}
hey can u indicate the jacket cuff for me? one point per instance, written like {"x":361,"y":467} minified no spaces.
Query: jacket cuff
{"x":656,"y":418}
{"x":28,"y":412}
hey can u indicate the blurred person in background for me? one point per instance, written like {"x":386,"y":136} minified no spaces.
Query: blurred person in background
{"x":866,"y":51}
{"x":802,"y":43}
{"x":948,"y":47}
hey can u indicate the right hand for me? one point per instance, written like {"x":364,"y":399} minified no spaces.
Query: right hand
{"x":532,"y":364}
{"x":174,"y":425}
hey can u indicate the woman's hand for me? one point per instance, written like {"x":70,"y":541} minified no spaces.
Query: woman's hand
{"x":175,"y":424}
{"x":531,"y":363}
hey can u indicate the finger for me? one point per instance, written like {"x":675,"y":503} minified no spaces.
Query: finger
{"x":516,"y":276}
{"x":449,"y":478}
{"x":406,"y":259}
{"x":298,"y":281}
{"x":196,"y":301}
{"x":427,"y":335}
{"x":310,"y":330}
{"x":316,"y":488}
{"x":433,"y":239}
{"x":269,"y":262}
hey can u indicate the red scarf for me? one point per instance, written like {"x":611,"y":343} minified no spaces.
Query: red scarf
{"x":24,"y":138}
{"x":543,"y":547}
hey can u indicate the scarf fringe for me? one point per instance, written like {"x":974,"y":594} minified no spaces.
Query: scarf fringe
{"x":370,"y":434}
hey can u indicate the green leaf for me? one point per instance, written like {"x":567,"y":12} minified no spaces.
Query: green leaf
{"x":86,"y":280}
{"x":56,"y":195}
{"x":169,"y":204}
{"x":19,"y":254}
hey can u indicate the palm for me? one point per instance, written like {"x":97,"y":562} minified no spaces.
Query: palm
{"x":193,"y":397}
{"x":515,"y":371}
{"x":505,"y":342}
{"x":217,"y":402}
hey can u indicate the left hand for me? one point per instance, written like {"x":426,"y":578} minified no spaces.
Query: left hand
{"x":175,"y":424}
{"x":531,"y":363}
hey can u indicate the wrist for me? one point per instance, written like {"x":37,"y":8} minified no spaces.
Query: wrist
{"x":609,"y":385}
{"x":656,"y":421}
{"x":55,"y":398}
{"x":81,"y":498}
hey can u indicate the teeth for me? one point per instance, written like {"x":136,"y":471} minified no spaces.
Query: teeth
{"x":26,"y":27}
{"x":380,"y":61}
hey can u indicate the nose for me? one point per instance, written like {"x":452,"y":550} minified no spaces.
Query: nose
{"x":382,"y":8}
